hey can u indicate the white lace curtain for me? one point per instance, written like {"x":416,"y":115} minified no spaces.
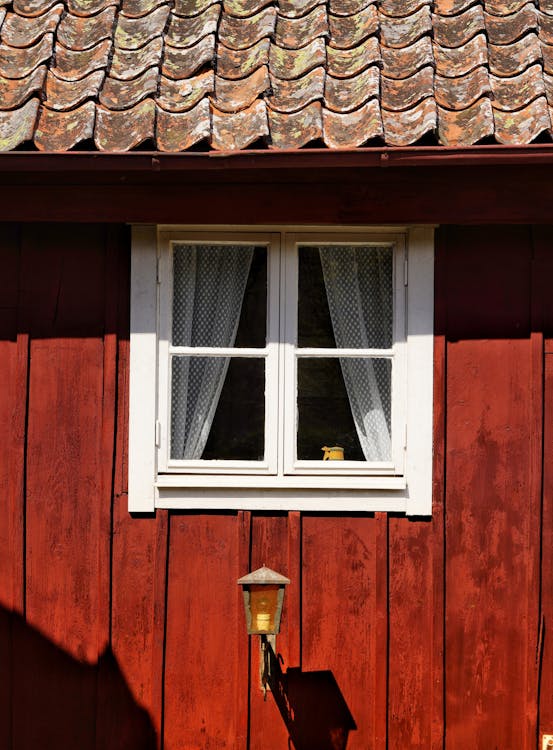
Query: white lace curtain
{"x":358,"y":283}
{"x":209,"y":284}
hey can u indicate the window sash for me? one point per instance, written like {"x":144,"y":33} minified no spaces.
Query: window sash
{"x":280,"y":355}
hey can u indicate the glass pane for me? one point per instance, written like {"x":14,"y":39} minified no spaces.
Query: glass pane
{"x":344,"y":402}
{"x":219,"y":295}
{"x":345,"y":297}
{"x":218,"y":408}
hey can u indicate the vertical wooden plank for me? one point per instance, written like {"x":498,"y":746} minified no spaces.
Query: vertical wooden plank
{"x":63,"y":302}
{"x":270,"y":547}
{"x":138,"y":557}
{"x":243,"y":671}
{"x":294,"y":589}
{"x":13,"y":389}
{"x":381,"y":628}
{"x":203,"y":626}
{"x":544,"y":650}
{"x":339,"y":610}
{"x":491,"y":497}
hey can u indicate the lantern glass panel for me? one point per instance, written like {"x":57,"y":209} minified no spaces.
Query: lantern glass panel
{"x":263,"y":607}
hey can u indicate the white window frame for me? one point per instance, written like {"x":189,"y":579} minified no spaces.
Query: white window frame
{"x":403,"y":485}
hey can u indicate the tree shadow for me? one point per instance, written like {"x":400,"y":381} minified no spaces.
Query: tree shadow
{"x":52,"y":701}
{"x":311,"y":705}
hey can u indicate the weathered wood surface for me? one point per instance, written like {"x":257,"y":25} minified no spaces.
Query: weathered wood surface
{"x":120,"y":632}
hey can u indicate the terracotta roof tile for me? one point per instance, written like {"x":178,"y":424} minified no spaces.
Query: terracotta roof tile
{"x":121,"y":131}
{"x":61,"y":131}
{"x":63,"y":95}
{"x":297,"y":129}
{"x":345,"y":95}
{"x":76,"y":64}
{"x":234,"y":96}
{"x":13,"y":92}
{"x":235,"y":64}
{"x":79,"y":33}
{"x":180,"y":131}
{"x":460,"y":93}
{"x":180,"y":96}
{"x":467,"y":126}
{"x":235,"y":131}
{"x":182,"y":63}
{"x":18,"y":31}
{"x":281,"y":73}
{"x":352,"y":129}
{"x":294,"y":32}
{"x":17,"y":125}
{"x":291,"y":96}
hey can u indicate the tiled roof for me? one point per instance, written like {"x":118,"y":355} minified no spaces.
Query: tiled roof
{"x":225,"y":74}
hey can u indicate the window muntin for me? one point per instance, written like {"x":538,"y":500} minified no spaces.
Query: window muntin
{"x":280,"y":271}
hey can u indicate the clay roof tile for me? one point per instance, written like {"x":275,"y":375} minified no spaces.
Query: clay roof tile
{"x":296,"y":129}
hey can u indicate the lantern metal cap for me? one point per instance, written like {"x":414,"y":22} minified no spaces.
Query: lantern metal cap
{"x":263,"y":575}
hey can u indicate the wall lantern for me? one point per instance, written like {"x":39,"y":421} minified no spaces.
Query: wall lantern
{"x":263,"y":597}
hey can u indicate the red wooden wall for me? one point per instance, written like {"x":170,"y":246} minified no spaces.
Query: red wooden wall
{"x":120,"y":632}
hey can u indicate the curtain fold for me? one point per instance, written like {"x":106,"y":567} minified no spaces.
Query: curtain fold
{"x":358,"y":282}
{"x":209,"y":285}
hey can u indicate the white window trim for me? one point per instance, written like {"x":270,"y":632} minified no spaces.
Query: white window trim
{"x":410,"y":493}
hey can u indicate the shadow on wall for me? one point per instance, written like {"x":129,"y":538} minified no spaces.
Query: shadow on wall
{"x":55,"y":702}
{"x":311,"y":705}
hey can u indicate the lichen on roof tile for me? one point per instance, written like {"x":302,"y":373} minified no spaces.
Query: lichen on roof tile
{"x":78,"y":33}
{"x":294,"y":33}
{"x":18,"y":63}
{"x":287,"y":63}
{"x":403,"y":93}
{"x":516,"y":92}
{"x":346,"y":63}
{"x":352,"y":129}
{"x":508,"y":60}
{"x":546,"y":6}
{"x":234,"y":96}
{"x":507,"y":29}
{"x":17,"y":125}
{"x":18,"y":31}
{"x":123,"y":130}
{"x":468,"y":126}
{"x":32,"y":7}
{"x":461,"y":92}
{"x":401,"y":32}
{"x":127,"y":64}
{"x":132,"y":33}
{"x":297,"y":8}
{"x":76,"y":64}
{"x":291,"y":96}
{"x":89,"y":7}
{"x":346,"y":95}
{"x":185,"y":32}
{"x":398,"y":8}
{"x":546,"y":28}
{"x":180,"y":131}
{"x":117,"y":94}
{"x":401,"y":63}
{"x":503,"y":7}
{"x":350,"y":7}
{"x":181,"y":63}
{"x":291,"y":131}
{"x":524,"y":125}
{"x":239,"y":33}
{"x":64,"y":95}
{"x":461,"y":60}
{"x":408,"y":126}
{"x":191,"y":8}
{"x":181,"y":96}
{"x":349,"y":31}
{"x":244,"y":8}
{"x":15,"y":91}
{"x":139,"y":8}
{"x":61,"y":131}
{"x":239,"y":63}
{"x":454,"y":31}
{"x":232,"y":132}
{"x":451,"y":7}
